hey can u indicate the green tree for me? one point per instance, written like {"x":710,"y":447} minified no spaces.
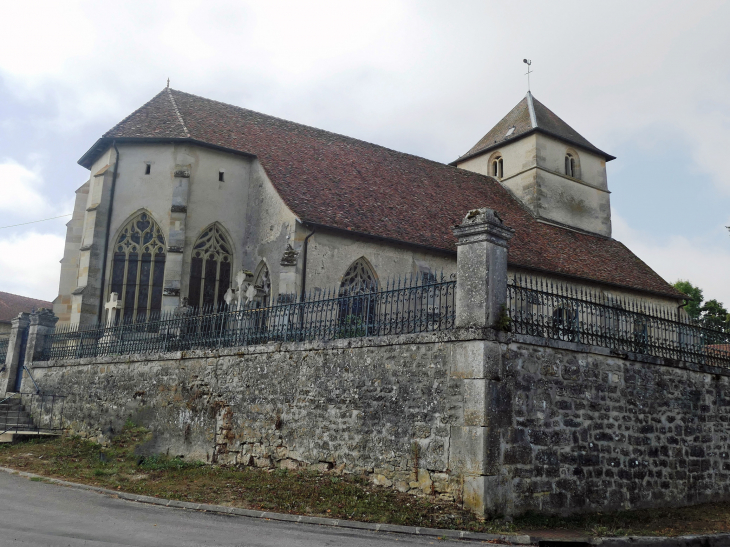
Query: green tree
{"x":715,"y":316}
{"x":694,"y":297}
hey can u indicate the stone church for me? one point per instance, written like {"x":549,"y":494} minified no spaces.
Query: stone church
{"x":186,"y":191}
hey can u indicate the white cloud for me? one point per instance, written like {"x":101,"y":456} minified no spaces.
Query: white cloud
{"x":701,"y":261}
{"x":24,"y":196}
{"x":29,"y":265}
{"x":21,"y":192}
{"x":29,"y":258}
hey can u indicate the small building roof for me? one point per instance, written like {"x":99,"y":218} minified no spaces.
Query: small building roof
{"x":347,"y":184}
{"x":530,"y":116}
{"x":13,"y":304}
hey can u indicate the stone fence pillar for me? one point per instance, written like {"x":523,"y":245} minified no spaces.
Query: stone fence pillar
{"x":481,"y":268}
{"x":475,"y":450}
{"x":42,"y":325}
{"x":16,"y":350}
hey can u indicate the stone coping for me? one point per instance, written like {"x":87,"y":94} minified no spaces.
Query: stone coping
{"x":627,"y":356}
{"x":452,"y":335}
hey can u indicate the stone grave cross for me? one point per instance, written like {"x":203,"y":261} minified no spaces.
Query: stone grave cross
{"x":113,"y":304}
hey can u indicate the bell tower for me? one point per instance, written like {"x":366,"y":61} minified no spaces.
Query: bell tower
{"x":547,"y":165}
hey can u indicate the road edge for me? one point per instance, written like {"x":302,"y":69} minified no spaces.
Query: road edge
{"x":709,"y":540}
{"x":303,"y":519}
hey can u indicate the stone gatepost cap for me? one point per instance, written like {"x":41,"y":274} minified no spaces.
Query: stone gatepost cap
{"x":483,"y":221}
{"x":479,"y":216}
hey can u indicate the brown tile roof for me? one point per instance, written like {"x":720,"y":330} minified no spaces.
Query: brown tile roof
{"x":541,"y":119}
{"x":12,"y":304}
{"x":348,"y":184}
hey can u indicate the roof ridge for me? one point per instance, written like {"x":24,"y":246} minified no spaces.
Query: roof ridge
{"x":177,"y":111}
{"x":339,"y":135}
{"x":531,"y":108}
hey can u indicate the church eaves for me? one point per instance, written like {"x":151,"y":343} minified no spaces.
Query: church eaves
{"x":529,"y":116}
{"x":346,"y":184}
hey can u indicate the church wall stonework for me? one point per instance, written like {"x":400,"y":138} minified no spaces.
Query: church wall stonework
{"x":331,"y":253}
{"x":574,"y":204}
{"x":551,"y":157}
{"x":518,"y":155}
{"x":70,"y":262}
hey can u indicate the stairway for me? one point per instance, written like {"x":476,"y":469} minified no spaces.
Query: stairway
{"x":16,"y":423}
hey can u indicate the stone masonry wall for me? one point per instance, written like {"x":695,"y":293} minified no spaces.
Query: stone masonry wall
{"x":591,"y":431}
{"x":505,"y":424}
{"x":381,"y":408}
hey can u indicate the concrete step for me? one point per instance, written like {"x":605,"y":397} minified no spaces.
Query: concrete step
{"x":10,"y":437}
{"x":17,"y":425}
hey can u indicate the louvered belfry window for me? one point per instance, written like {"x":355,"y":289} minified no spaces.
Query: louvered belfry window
{"x":138,"y":269}
{"x":210,"y":269}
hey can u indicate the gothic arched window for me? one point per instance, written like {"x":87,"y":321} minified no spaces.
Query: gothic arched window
{"x":138,"y":267}
{"x":210,"y":268}
{"x":358,"y":279}
{"x":262,"y":284}
{"x":358,"y":299}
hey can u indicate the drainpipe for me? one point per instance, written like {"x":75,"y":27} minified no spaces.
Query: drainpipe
{"x":304,"y":266}
{"x":108,"y":228}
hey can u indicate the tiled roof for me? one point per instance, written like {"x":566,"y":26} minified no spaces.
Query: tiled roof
{"x":529,"y":115}
{"x":348,"y":184}
{"x":12,"y":304}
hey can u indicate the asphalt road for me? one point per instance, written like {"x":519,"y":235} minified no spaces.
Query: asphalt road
{"x":41,"y":514}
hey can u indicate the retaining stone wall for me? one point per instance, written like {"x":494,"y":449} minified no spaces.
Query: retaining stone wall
{"x":555,"y":427}
{"x":367,"y":408}
{"x":597,"y":432}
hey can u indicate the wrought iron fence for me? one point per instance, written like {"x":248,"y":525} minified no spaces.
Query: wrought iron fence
{"x":32,"y":413}
{"x":4,"y":340}
{"x":403,"y":306}
{"x":562,"y":312}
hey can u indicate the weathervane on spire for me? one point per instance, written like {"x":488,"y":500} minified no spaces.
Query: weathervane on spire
{"x":528,"y":62}
{"x":168,"y":82}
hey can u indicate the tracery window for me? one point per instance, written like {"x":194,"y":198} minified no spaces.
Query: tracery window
{"x":498,"y":167}
{"x":262,"y":284}
{"x":358,"y":279}
{"x":210,"y":269}
{"x":357,"y":312}
{"x":138,"y":268}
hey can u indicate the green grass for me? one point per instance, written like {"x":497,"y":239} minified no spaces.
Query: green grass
{"x":118,"y":467}
{"x":301,"y":492}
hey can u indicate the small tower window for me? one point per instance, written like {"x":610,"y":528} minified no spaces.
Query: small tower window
{"x":147,"y":168}
{"x":570,"y":165}
{"x":498,"y":167}
{"x":220,"y":176}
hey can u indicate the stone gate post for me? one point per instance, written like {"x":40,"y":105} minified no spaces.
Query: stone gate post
{"x":19,"y":326}
{"x":42,"y":325}
{"x":481,"y":294}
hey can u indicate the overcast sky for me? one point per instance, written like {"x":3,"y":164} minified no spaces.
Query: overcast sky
{"x":648,"y":82}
